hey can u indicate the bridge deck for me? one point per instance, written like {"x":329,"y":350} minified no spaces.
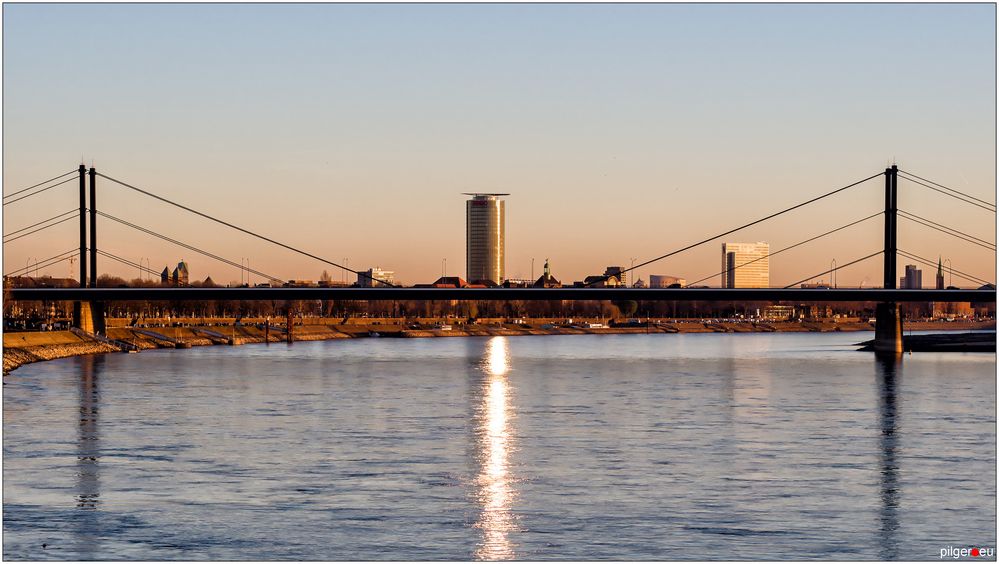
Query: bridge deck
{"x":656,"y":294}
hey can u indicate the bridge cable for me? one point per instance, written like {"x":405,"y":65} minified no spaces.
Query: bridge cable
{"x":929,"y":263}
{"x":246,"y":231}
{"x":947,"y":227}
{"x":788,"y":248}
{"x":835,"y":269}
{"x":128,"y":262}
{"x":750,"y":224}
{"x":187,"y":246}
{"x":946,"y":188}
{"x":35,"y":193}
{"x":37,"y":185}
{"x":40,"y":264}
{"x":973,"y":241}
{"x":5,"y":241}
{"x":949,"y":194}
{"x":40,"y":222}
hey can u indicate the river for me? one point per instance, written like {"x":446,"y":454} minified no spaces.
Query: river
{"x":685,"y":446}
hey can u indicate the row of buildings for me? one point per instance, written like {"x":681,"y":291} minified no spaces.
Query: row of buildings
{"x":743,"y":265}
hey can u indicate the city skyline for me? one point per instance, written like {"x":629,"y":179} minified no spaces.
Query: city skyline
{"x":616,"y":149}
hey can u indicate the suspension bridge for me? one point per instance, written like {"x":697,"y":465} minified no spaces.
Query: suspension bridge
{"x":89,"y":297}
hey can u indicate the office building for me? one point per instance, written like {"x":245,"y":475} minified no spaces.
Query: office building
{"x":913,"y":279}
{"x":485,"y":241}
{"x":745,"y":265}
{"x":664,"y":281}
{"x":375,"y":278}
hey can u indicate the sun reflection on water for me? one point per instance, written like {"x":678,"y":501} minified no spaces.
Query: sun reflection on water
{"x":496,"y":492}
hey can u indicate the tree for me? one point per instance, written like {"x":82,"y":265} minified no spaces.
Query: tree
{"x":627,"y":307}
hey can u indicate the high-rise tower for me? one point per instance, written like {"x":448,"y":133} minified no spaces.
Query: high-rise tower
{"x":745,"y":265}
{"x":485,"y":240}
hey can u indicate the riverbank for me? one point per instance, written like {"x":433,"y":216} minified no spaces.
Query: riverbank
{"x":27,"y":347}
{"x":24,"y":348}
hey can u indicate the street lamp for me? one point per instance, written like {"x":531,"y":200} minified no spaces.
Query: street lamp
{"x":950,"y":270}
{"x":832,"y":272}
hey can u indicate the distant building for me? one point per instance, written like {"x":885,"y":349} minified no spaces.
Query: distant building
{"x":604,"y":281}
{"x":445,"y":282}
{"x":485,"y":243}
{"x":639,"y":284}
{"x":179,"y":277}
{"x":913,"y":279}
{"x":617,"y":272}
{"x":815,"y":285}
{"x":814,"y":311}
{"x":664,"y":281}
{"x":612,"y":277}
{"x":547,"y":280}
{"x":940,"y":276}
{"x":746,"y":265}
{"x":375,"y":278}
{"x":778,"y":313}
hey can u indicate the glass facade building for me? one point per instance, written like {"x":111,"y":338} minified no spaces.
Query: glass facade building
{"x":485,"y":238}
{"x":746,"y":265}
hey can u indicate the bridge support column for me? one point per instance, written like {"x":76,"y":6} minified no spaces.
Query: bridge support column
{"x":888,"y":321}
{"x":888,"y":329}
{"x":95,"y":309}
{"x":93,"y":228}
{"x":78,"y":307}
{"x":89,"y":316}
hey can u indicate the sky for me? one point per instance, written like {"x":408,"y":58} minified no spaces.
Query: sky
{"x":622,"y":132}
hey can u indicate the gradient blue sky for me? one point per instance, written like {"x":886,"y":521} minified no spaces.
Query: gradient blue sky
{"x":622,"y":131}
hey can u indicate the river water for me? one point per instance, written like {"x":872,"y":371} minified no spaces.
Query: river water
{"x":698,"y":446}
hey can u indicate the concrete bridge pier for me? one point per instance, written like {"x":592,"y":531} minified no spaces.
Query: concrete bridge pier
{"x":888,"y":328}
{"x":89,"y":316}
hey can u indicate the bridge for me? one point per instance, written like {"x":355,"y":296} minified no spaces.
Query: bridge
{"x":89,"y":298}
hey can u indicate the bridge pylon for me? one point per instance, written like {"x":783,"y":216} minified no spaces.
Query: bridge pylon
{"x":88,"y":316}
{"x":888,"y":321}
